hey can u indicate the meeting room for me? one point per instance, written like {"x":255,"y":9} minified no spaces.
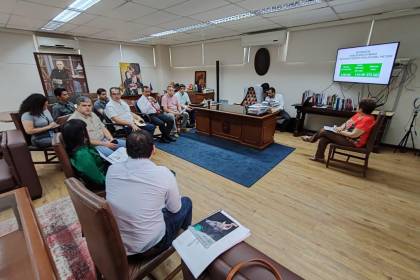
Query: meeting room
{"x":223,"y":140}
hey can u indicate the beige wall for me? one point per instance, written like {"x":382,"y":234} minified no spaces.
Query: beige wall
{"x":310,"y":65}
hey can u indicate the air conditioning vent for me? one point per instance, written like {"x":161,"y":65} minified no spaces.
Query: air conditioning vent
{"x":57,"y":43}
{"x":264,"y":39}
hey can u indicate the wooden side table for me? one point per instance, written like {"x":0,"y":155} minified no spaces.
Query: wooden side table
{"x":23,"y":252}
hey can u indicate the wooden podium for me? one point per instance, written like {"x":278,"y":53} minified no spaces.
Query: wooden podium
{"x":231,"y":122}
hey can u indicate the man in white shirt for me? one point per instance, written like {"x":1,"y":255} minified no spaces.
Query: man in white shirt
{"x":276,"y":97}
{"x":145,"y":199}
{"x":185,"y":102}
{"x":120,"y":114}
{"x":148,"y":105}
{"x":99,"y":136}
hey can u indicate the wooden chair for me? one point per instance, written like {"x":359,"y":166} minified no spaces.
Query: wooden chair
{"x":104,"y":239}
{"x":349,"y":152}
{"x":49,"y":154}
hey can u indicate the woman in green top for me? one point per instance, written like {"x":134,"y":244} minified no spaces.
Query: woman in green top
{"x":83,"y":157}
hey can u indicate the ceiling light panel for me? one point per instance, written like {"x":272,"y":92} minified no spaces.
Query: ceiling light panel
{"x":72,"y":11}
{"x":237,"y":17}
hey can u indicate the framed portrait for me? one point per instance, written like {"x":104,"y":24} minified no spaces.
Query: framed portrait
{"x":131,"y":79}
{"x":200,"y":79}
{"x":62,"y":70}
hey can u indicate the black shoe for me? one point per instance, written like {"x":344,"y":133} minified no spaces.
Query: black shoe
{"x":164,"y":140}
{"x":170,"y":138}
{"x":190,"y":125}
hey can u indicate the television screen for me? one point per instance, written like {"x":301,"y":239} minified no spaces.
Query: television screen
{"x":368,"y":65}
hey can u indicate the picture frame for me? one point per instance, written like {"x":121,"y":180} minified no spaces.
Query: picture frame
{"x":131,"y":81}
{"x":200,"y":79}
{"x":62,"y":70}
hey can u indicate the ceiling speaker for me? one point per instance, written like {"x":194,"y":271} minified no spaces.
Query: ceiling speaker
{"x":262,"y":61}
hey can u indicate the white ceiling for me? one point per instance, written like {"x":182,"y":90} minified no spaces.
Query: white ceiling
{"x":125,"y":20}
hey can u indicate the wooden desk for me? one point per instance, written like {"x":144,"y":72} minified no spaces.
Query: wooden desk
{"x":23,"y":253}
{"x":198,"y":97}
{"x":301,"y":112}
{"x":231,"y":122}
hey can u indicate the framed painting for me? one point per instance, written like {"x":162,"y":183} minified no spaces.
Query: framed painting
{"x":64,"y":71}
{"x":200,"y":79}
{"x":130,"y":79}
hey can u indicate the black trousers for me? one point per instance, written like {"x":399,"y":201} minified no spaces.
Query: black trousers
{"x":192,"y":116}
{"x":164,"y":122}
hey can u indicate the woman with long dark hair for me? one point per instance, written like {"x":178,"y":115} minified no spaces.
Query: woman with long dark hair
{"x":83,"y":157}
{"x":37,"y":120}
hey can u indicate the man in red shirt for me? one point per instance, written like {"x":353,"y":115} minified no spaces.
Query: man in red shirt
{"x":354,"y":132}
{"x":172,"y":107}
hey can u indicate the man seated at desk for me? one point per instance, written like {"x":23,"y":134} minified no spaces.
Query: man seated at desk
{"x":272,"y":97}
{"x":353,"y":133}
{"x":120,"y":114}
{"x":185,"y":102}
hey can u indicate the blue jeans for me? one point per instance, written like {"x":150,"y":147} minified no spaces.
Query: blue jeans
{"x":107,"y":151}
{"x":175,"y":221}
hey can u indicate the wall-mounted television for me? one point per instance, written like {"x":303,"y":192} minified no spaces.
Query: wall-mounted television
{"x":367,"y":65}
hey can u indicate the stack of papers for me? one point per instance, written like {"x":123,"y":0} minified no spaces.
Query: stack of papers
{"x":203,"y":242}
{"x":257,"y":109}
{"x":119,"y":155}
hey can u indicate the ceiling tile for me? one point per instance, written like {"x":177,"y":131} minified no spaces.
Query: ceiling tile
{"x":67,"y":27}
{"x":217,"y":13}
{"x":129,"y":11}
{"x":83,"y":19}
{"x":252,"y":4}
{"x":4,"y":18}
{"x":104,"y":6}
{"x":159,"y":4}
{"x":25,"y":23}
{"x":105,"y":22}
{"x":7,"y":6}
{"x":53,"y":3}
{"x":86,"y":30}
{"x":157,"y":18}
{"x":182,"y":22}
{"x":310,"y":17}
{"x":251,"y":24}
{"x":37,"y":11}
{"x":194,"y":7}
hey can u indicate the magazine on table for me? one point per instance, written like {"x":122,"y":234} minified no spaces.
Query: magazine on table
{"x":119,"y":155}
{"x":206,"y":240}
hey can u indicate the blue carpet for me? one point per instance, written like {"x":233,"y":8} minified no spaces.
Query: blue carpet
{"x":241,"y":164}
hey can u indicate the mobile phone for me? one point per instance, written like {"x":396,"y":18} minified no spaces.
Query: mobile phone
{"x":114,"y":141}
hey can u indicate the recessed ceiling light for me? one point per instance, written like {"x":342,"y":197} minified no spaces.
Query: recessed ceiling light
{"x":72,"y":11}
{"x":263,"y":11}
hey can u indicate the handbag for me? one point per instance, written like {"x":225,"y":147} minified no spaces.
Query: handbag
{"x":251,"y":262}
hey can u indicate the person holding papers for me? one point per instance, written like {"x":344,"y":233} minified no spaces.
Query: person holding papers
{"x":83,"y":157}
{"x":354,"y":132}
{"x":99,"y":135}
{"x":145,"y":199}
